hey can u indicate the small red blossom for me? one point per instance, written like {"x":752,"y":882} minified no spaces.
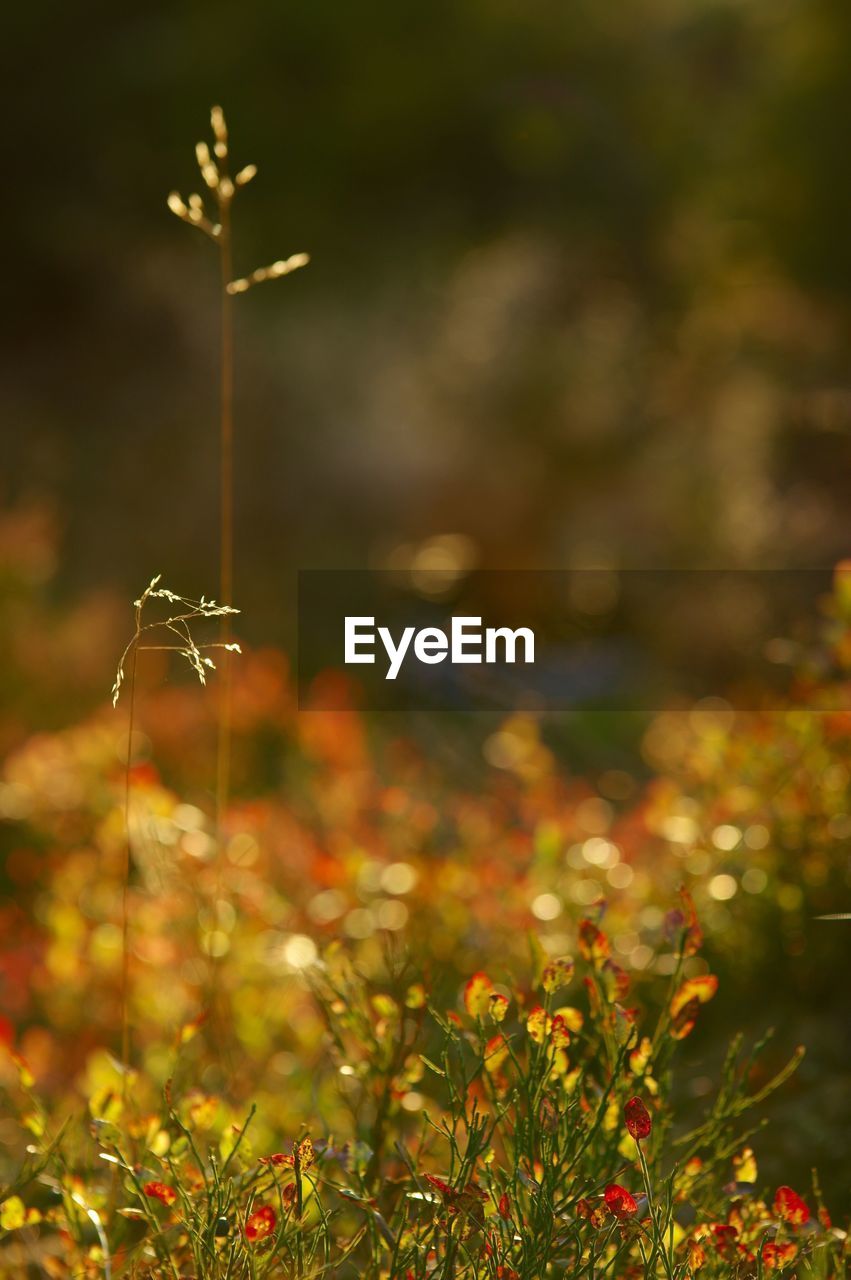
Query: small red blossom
{"x":160,"y":1191}
{"x":537,"y":1024}
{"x":559,"y":1032}
{"x":260,"y":1224}
{"x":702,"y":989}
{"x":504,"y":1207}
{"x":465,"y":1201}
{"x":696,"y":1255}
{"x":777,"y":1256}
{"x":303,"y":1156}
{"x":790,"y":1207}
{"x":440,"y":1185}
{"x":557,"y":973}
{"x":638,"y":1121}
{"x":592,"y":1213}
{"x":686,"y":1003}
{"x":593,"y":944}
{"x":496,"y":1052}
{"x":620,"y":1202}
{"x":477,"y":994}
{"x":615,"y":981}
{"x":725,"y":1238}
{"x":497,"y":1006}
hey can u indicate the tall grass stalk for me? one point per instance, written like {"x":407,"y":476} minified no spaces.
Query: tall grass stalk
{"x":214,"y":167}
{"x":171,"y":634}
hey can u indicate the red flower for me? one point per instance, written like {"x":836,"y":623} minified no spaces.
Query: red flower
{"x":440,"y":1185}
{"x":725,"y":1238}
{"x":260,"y":1224}
{"x":620,"y":1202}
{"x":687,"y":1001}
{"x":615,"y":981}
{"x":505,"y":1207}
{"x":592,"y":1213}
{"x":477,"y":993}
{"x":696,"y":1255}
{"x":637,"y":1119}
{"x":701,"y":989}
{"x":159,"y":1191}
{"x":593,"y":943}
{"x":776,"y":1256}
{"x":790,"y":1208}
{"x":303,"y":1156}
{"x":559,"y":1032}
{"x":496,"y":1051}
{"x":558,"y":973}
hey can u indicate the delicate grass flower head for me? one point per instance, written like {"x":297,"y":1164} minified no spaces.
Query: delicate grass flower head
{"x":215,"y":174}
{"x":173,"y":633}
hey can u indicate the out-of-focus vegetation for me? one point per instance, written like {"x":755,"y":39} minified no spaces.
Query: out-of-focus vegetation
{"x":579,"y":296}
{"x":579,"y":286}
{"x":522,"y":1105}
{"x":350,"y":845}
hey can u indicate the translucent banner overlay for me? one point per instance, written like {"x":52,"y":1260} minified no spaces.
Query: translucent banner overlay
{"x":630,"y":640}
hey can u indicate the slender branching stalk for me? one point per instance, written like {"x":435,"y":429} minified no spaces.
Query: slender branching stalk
{"x":215,"y":173}
{"x":172,"y":634}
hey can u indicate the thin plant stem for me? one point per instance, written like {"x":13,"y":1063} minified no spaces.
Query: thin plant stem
{"x":215,"y":173}
{"x":226,"y":509}
{"x":223,"y":745}
{"x":655,"y":1216}
{"x":125,"y":890}
{"x":214,"y":167}
{"x":177,"y":624}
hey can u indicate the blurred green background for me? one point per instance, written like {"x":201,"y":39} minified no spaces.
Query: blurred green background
{"x":580,"y":283}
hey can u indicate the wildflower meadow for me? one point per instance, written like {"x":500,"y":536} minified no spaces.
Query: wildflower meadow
{"x":489,"y":994}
